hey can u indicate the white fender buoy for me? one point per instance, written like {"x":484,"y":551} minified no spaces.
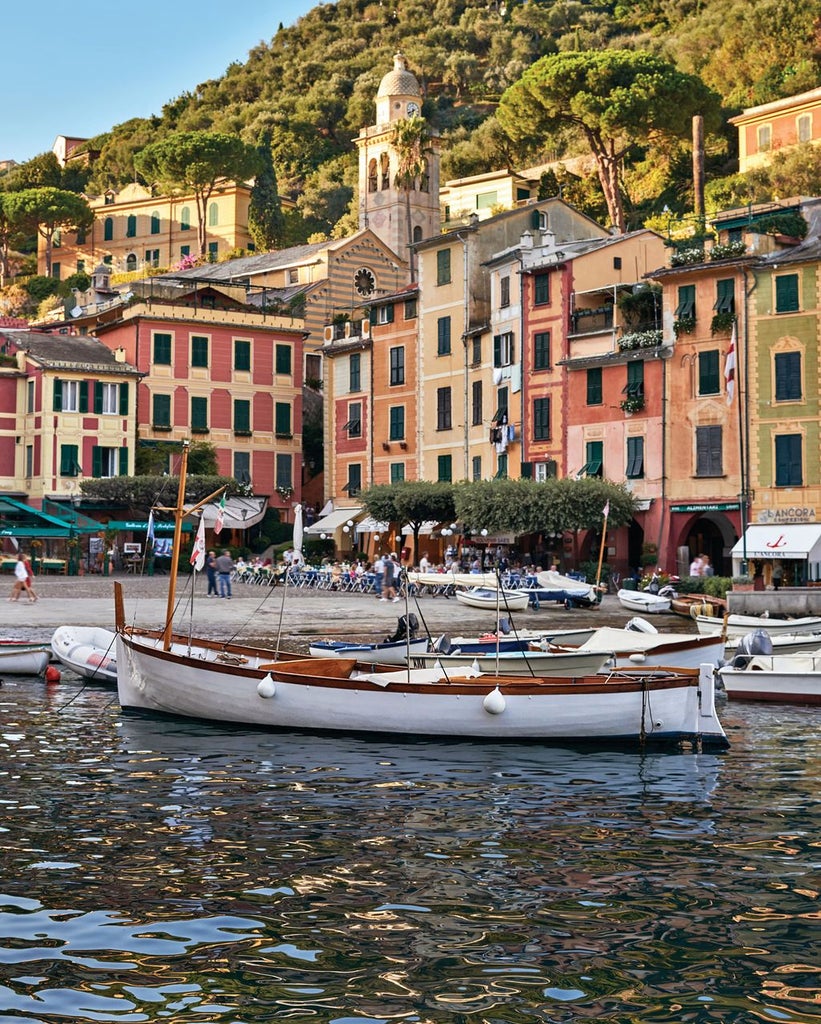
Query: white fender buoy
{"x":494,"y":702}
{"x":638,"y":658}
{"x":266,"y":687}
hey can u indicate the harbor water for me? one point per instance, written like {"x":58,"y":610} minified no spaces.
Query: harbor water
{"x":155,"y":870}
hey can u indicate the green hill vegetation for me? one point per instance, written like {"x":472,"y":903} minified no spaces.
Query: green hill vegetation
{"x":311,"y":89}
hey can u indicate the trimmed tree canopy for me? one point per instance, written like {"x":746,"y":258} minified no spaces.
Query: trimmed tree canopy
{"x":614,"y":98}
{"x":197,"y":162}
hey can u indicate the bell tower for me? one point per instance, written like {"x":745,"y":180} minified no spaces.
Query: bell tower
{"x":383,"y":204}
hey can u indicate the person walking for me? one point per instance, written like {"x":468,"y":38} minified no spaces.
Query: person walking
{"x":20,"y":577}
{"x":389,"y":580}
{"x":28,"y":586}
{"x":378,"y":577}
{"x":777,"y":575}
{"x":211,"y":573}
{"x":225,"y":566}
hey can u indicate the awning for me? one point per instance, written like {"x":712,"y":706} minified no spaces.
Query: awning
{"x":20,"y":520}
{"x":773,"y":541}
{"x":333,"y":521}
{"x":369,"y":525}
{"x":240,"y":513}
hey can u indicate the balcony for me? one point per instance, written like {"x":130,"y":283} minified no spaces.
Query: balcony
{"x":591,"y":321}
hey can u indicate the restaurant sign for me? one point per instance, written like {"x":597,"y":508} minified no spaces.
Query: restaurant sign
{"x":786,"y":515}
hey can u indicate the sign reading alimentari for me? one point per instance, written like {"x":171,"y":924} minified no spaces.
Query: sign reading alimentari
{"x":721,"y":506}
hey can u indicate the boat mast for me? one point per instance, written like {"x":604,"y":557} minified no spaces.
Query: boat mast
{"x":175,"y":549}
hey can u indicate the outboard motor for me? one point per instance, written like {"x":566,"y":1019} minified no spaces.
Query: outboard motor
{"x":641,"y":625}
{"x":406,"y":628}
{"x":751,"y":644}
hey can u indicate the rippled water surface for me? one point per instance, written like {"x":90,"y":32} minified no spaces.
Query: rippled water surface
{"x":156,"y":870}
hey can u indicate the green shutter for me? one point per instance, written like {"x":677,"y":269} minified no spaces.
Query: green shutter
{"x":98,"y":397}
{"x":83,"y":396}
{"x":282,"y":418}
{"x":124,"y":399}
{"x":124,"y":461}
{"x":535,"y":220}
{"x":242,"y":415}
{"x":58,"y":395}
{"x":786,"y":293}
{"x":96,"y":461}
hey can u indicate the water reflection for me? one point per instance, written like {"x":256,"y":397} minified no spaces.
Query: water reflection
{"x":155,"y":870}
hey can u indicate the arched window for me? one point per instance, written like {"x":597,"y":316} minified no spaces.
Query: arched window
{"x":424,"y":178}
{"x":185,"y":219}
{"x":155,"y":222}
{"x":131,"y":262}
{"x":213,"y":215}
{"x":108,"y":229}
{"x":417,"y":234}
{"x":372,"y":179}
{"x":385,"y":170}
{"x":131,"y":227}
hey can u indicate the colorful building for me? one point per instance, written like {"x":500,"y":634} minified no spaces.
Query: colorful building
{"x":769,"y":127}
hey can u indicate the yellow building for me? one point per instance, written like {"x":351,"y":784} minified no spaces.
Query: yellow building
{"x":134,"y":230}
{"x":773,"y":126}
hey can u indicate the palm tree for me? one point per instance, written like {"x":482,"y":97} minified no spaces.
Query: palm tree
{"x":411,"y":141}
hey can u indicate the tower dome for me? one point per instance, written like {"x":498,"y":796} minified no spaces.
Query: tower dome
{"x":399,"y":81}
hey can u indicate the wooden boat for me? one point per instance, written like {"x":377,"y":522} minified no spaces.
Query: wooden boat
{"x":493,"y":598}
{"x":629,"y":647}
{"x":740,"y":625}
{"x":691,"y":605}
{"x":86,"y":650}
{"x":388,"y":652}
{"x":200,"y":679}
{"x":778,"y":678}
{"x":23,"y":658}
{"x":513,"y":640}
{"x":644,"y":602}
{"x":570,"y":663}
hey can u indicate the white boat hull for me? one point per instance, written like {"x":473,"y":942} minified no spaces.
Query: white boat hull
{"x":644,"y":603}
{"x":784,"y":643}
{"x":390,"y":653}
{"x":23,"y":658}
{"x":661,"y":709}
{"x":780,"y":678}
{"x":491,"y":600}
{"x":740,"y":625}
{"x":88,"y":651}
{"x":674,"y":650}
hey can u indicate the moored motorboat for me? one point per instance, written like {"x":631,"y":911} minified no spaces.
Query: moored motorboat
{"x":740,"y":625}
{"x":514,"y":640}
{"x":631,"y":647}
{"x":553,"y":586}
{"x":388,"y":652}
{"x":774,"y":678}
{"x":783,"y":643}
{"x":86,"y":650}
{"x":23,"y":657}
{"x":570,"y":663}
{"x":492,"y":598}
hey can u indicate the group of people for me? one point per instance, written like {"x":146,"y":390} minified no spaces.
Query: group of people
{"x":701,"y":566}
{"x":218,"y":568}
{"x":23,"y":580}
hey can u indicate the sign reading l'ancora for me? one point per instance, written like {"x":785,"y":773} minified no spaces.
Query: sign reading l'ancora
{"x":787,"y":515}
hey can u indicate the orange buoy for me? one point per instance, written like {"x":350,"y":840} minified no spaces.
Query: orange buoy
{"x":52,"y":674}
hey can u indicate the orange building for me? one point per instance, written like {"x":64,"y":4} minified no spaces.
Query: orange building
{"x":764,"y":129}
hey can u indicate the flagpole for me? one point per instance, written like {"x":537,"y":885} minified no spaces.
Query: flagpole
{"x":601,"y":546}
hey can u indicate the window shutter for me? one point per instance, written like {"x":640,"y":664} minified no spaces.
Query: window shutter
{"x":527,"y":471}
{"x":83,"y":406}
{"x":124,"y":461}
{"x":98,"y":397}
{"x":497,"y":350}
{"x":535,"y":220}
{"x":96,"y":461}
{"x":124,"y":399}
{"x":58,"y":395}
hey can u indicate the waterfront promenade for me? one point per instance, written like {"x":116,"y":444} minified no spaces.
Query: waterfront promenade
{"x":255,"y":611}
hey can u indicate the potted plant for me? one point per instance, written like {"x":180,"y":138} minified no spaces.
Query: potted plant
{"x":742,"y":583}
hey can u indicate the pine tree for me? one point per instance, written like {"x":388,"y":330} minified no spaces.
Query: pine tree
{"x":266,"y":222}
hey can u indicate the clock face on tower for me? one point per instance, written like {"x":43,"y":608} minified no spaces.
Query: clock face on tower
{"x":413,"y":109}
{"x":364,"y":282}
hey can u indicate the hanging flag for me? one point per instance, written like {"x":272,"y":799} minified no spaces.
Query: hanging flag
{"x":729,"y":367}
{"x":149,"y":533}
{"x":220,"y":514}
{"x":198,"y":554}
{"x":606,"y":510}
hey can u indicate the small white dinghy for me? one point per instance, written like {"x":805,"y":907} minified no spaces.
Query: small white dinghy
{"x":644,"y":602}
{"x":88,"y":651}
{"x":23,"y":657}
{"x":490,"y":598}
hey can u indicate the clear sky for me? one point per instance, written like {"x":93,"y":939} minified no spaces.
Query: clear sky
{"x":78,"y":70}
